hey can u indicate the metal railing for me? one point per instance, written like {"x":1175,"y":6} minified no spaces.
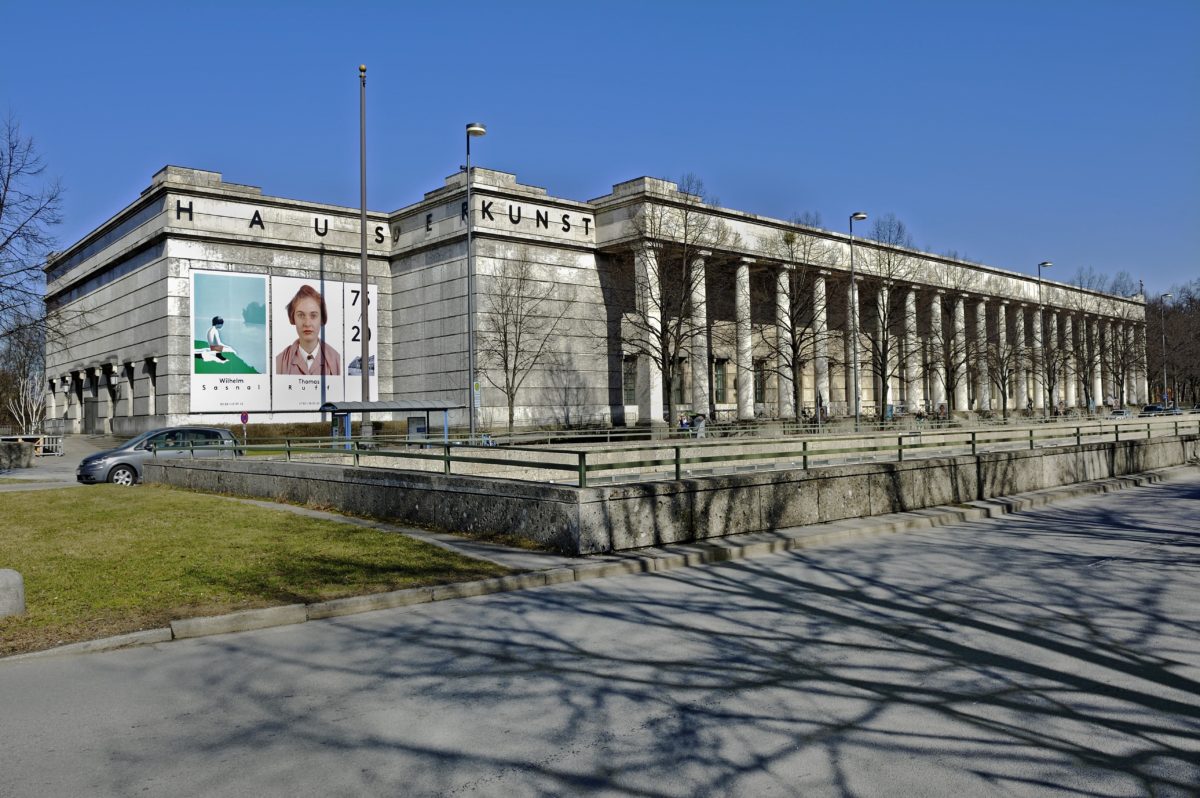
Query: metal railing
{"x":676,"y":459}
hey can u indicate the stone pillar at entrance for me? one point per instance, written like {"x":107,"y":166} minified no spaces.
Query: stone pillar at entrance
{"x":1143,"y":383}
{"x":783,"y":337}
{"x":1070,"y":376}
{"x":699,"y":343}
{"x":1054,"y":357}
{"x":1039,"y":372}
{"x":1023,"y":398}
{"x":849,"y":346}
{"x":745,"y":350}
{"x":1004,"y":356}
{"x":983,"y":389}
{"x":649,"y":299}
{"x":820,"y":344}
{"x":937,"y":350}
{"x":1094,"y":362}
{"x":914,"y":393}
{"x":959,"y":355}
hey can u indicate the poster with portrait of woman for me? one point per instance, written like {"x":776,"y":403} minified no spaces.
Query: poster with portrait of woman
{"x":307,"y":343}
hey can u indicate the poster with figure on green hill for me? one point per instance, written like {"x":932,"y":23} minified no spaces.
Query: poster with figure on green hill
{"x":229,"y":342}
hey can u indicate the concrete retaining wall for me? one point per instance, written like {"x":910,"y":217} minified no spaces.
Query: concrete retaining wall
{"x":631,"y":516}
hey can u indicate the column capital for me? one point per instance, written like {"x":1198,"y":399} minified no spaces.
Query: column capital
{"x":702,"y":253}
{"x":745,"y":260}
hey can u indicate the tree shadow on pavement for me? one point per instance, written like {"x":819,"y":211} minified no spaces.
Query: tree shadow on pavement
{"x":1038,"y":654}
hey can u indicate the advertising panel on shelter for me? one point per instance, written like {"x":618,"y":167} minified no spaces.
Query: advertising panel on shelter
{"x":229,"y":341}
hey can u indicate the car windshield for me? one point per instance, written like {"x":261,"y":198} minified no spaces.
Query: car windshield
{"x":134,"y":442}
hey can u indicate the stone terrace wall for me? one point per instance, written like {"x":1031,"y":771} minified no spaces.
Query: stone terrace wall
{"x":594,"y":520}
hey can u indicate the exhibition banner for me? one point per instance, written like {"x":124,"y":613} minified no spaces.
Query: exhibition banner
{"x":229,"y":342}
{"x":298,"y":350}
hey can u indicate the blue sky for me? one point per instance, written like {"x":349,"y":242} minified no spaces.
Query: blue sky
{"x":1011,"y":132}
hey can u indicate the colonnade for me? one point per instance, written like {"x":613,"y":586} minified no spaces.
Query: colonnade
{"x":1045,"y":357}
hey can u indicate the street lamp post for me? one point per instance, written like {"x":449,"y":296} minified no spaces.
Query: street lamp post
{"x":858,"y":216}
{"x":365,"y":429}
{"x":1047,"y":398}
{"x":473,"y":129}
{"x":1162,"y":321}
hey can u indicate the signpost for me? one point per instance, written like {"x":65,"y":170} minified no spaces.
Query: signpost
{"x":245,"y":418}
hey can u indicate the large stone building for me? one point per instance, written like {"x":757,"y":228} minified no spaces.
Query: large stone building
{"x":633,"y":305}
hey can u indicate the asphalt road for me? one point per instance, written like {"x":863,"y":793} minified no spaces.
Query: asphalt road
{"x":1047,"y":653}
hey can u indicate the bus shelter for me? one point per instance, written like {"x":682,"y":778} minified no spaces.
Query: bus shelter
{"x":416,"y":411}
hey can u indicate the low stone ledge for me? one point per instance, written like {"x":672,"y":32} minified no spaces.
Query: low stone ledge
{"x":242,"y":621}
{"x":12,"y":593}
{"x":145,"y":637}
{"x":352,"y":605}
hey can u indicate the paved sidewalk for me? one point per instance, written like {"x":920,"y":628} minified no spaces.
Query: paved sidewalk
{"x":58,"y":472}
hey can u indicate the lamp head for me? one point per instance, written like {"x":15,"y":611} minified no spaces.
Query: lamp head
{"x":857,"y":216}
{"x":1168,"y":296}
{"x":476,"y":129}
{"x":1045,"y":264}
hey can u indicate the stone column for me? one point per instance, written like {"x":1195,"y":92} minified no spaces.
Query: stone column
{"x":783,"y":337}
{"x":983,"y":390}
{"x":850,"y":344}
{"x":745,"y":350}
{"x":1039,"y":370}
{"x":914,"y":394}
{"x":1069,"y":374}
{"x":937,"y":366}
{"x":649,"y":300}
{"x":699,"y":342}
{"x":1143,"y":377}
{"x":1024,"y":398}
{"x":820,"y":342}
{"x":1054,"y":345}
{"x":1094,"y":363}
{"x":1004,"y":355}
{"x":960,"y":351}
{"x":882,"y":370}
{"x":1104,"y":342}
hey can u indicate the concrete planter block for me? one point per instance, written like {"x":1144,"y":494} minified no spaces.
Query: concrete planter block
{"x":12,"y":593}
{"x":14,"y":454}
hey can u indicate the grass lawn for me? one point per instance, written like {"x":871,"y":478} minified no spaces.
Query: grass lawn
{"x":102,"y":560}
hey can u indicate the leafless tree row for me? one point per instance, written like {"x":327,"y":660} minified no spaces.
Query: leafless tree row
{"x":30,"y":207}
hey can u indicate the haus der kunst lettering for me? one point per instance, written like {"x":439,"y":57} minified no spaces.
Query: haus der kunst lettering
{"x":639,"y":304}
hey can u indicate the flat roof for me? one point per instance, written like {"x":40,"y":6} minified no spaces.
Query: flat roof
{"x":394,"y":405}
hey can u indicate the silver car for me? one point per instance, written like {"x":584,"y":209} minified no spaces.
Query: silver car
{"x":123,"y":465}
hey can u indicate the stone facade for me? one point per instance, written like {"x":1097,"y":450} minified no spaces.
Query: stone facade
{"x":623,"y":296}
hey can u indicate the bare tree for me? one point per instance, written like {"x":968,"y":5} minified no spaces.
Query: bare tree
{"x":30,"y":207}
{"x":891,"y":264}
{"x":671,"y":234}
{"x":1173,"y":333}
{"x":22,"y":378}
{"x":520,"y":316}
{"x":795,"y":344}
{"x":951,"y":354}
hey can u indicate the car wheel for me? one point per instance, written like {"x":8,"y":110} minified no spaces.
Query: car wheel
{"x":122,"y":475}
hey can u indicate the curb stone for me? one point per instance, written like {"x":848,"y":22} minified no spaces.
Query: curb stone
{"x":686,"y":555}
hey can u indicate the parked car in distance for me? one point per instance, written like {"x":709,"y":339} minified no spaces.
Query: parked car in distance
{"x":1120,"y":414}
{"x":1173,"y":410}
{"x":123,"y":465}
{"x":1151,"y":410}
